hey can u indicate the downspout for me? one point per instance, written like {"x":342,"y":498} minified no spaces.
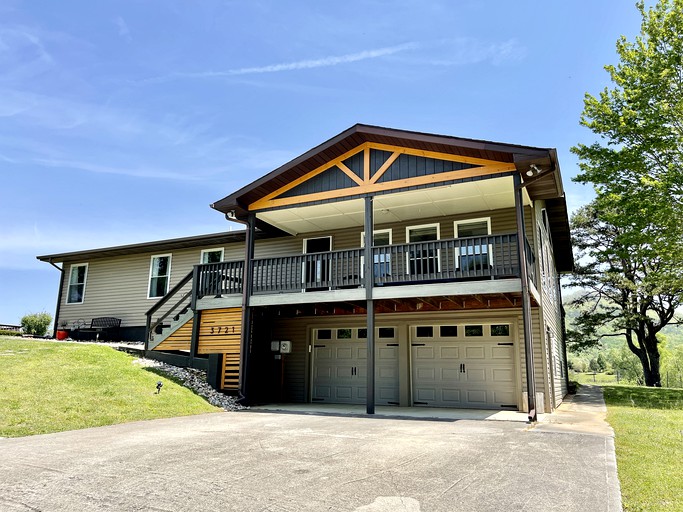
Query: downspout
{"x":247,"y":283}
{"x":59,"y":295}
{"x":564,"y":333}
{"x":526,"y":299}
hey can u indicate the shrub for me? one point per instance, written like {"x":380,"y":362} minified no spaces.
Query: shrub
{"x":36,"y":323}
{"x":4,"y":332}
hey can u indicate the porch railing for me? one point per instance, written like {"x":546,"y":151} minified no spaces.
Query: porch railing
{"x":458,"y":259}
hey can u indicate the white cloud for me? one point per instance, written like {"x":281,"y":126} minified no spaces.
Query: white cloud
{"x":333,"y":60}
{"x":122,"y":26}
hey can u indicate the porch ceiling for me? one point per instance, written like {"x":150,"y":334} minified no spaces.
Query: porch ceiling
{"x":461,"y":198}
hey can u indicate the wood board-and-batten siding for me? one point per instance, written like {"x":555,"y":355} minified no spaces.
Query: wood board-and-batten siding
{"x":118,"y":286}
{"x":220,"y":332}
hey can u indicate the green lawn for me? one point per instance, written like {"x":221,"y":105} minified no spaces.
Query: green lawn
{"x":590,"y":378}
{"x":50,"y":387}
{"x":648,"y":426}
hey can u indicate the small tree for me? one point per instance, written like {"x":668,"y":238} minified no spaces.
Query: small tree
{"x":36,"y":323}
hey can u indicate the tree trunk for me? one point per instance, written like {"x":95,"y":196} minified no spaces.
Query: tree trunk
{"x":650,"y":361}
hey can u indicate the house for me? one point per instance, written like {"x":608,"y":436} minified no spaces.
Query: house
{"x":453,"y":300}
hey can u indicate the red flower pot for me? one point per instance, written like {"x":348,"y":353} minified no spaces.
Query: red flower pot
{"x":62,"y":335}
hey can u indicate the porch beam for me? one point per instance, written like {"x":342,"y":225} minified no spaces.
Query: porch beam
{"x":526,"y":299}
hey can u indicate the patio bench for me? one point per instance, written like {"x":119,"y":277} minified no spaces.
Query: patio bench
{"x":104,"y":325}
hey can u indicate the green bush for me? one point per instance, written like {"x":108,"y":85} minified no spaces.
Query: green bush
{"x":9,"y":333}
{"x":36,"y":323}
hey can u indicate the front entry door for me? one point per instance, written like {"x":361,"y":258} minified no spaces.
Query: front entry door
{"x":316,"y":268}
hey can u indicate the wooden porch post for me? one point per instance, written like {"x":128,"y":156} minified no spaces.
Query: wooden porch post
{"x":526,"y":298}
{"x":247,"y":284}
{"x":369,"y":273}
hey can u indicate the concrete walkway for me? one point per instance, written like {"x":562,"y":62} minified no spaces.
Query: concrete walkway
{"x":263,"y":461}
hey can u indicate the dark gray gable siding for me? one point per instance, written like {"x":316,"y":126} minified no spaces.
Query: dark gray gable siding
{"x":377,"y":158}
{"x":410,"y":166}
{"x":332,"y":179}
{"x":355,"y":163}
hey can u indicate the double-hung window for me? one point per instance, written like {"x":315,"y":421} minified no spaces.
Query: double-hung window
{"x":423,"y":257}
{"x":212,"y":255}
{"x":159,"y":275}
{"x":475,"y":253}
{"x":77,"y":277}
{"x":381,"y":259}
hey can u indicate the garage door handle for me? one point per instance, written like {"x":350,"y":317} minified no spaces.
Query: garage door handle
{"x":462,"y":367}
{"x":418,"y":344}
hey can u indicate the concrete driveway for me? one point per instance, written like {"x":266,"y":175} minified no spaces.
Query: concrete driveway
{"x":260,"y":461}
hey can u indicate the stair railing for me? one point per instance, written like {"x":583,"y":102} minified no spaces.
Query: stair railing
{"x":183,"y":301}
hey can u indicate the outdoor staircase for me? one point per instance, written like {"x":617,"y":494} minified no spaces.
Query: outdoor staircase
{"x":163,"y":331}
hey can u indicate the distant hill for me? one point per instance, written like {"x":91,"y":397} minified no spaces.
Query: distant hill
{"x":673,"y":333}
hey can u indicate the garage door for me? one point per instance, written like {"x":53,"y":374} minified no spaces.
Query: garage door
{"x":465,"y":365}
{"x":340,"y":361}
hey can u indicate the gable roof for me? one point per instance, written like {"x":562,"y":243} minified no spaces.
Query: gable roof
{"x":547,"y":185}
{"x":521,"y":156}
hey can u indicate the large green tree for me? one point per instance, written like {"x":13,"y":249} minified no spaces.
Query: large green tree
{"x":631,"y":236}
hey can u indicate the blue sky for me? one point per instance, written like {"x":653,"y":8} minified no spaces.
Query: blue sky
{"x":121,"y":121}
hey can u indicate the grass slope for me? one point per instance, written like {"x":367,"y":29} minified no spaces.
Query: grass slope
{"x":51,"y":387}
{"x":648,"y":426}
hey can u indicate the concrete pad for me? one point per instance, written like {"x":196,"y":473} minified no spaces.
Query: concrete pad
{"x":251,"y":461}
{"x":584,"y":412}
{"x":423,"y":413}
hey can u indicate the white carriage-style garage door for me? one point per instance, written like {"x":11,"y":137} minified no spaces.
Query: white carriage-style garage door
{"x":465,"y":365}
{"x":340,"y":366}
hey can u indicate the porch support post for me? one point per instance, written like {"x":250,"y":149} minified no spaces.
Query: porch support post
{"x":196,"y":319}
{"x":526,"y":298}
{"x":247,"y":285}
{"x":369,"y":280}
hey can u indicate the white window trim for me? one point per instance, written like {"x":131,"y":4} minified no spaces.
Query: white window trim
{"x":85,"y":280}
{"x":303,"y":251}
{"x":216,"y":249}
{"x":458,"y":254}
{"x":376,"y":260}
{"x":149,"y":279}
{"x":470,"y":221}
{"x":375,"y":232}
{"x":438,"y":237}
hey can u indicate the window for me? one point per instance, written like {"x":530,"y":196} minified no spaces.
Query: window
{"x":424,"y":331}
{"x":343,"y":334}
{"x":362,"y":333}
{"x":382,"y":260}
{"x":386,"y":332}
{"x":474,"y":330}
{"x":473,"y":254}
{"x":76,"y":291}
{"x":159,"y":275}
{"x":211,"y":255}
{"x":500,"y":330}
{"x":324,"y":334}
{"x":424,"y":257}
{"x":448,"y":331}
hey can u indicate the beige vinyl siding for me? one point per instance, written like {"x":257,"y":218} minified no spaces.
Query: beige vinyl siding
{"x":551,"y":309}
{"x":502,"y":221}
{"x":118,"y":286}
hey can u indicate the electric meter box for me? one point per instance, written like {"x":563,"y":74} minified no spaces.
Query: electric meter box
{"x":285,"y":347}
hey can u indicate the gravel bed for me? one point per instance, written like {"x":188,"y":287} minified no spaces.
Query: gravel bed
{"x":196,"y":381}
